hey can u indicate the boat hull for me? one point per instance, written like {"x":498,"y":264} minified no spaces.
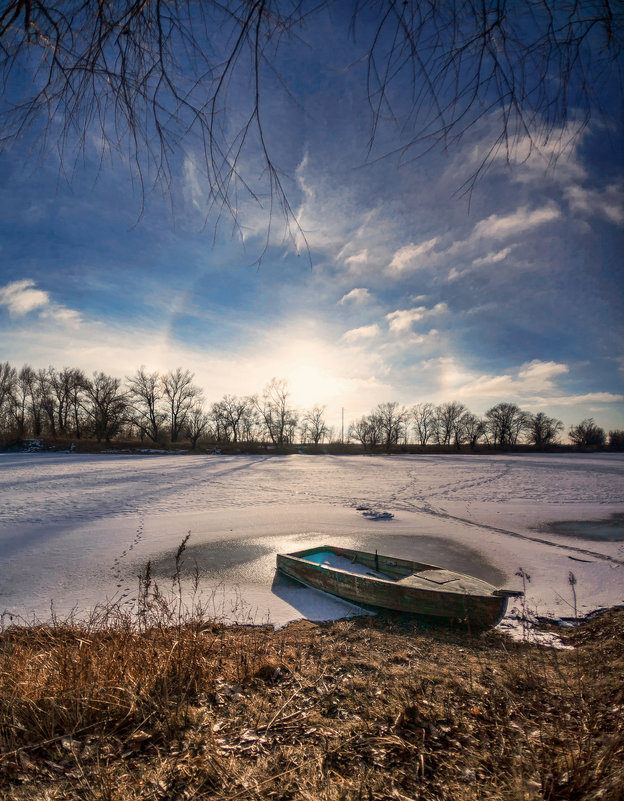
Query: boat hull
{"x":478,"y":607}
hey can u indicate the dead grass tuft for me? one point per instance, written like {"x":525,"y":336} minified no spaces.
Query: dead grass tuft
{"x":168,"y":706}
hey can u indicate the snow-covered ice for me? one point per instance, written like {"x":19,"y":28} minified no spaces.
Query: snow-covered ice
{"x":78,"y":529}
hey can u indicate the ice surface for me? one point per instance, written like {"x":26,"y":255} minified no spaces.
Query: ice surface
{"x":77,"y":529}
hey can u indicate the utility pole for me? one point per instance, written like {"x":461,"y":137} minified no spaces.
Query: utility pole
{"x":342,"y":430}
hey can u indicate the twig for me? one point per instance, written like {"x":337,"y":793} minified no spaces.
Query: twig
{"x":281,"y":709}
{"x":48,"y":742}
{"x":286,"y":772}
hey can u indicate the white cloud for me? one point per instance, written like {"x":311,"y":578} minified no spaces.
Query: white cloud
{"x":364,"y":332}
{"x":533,"y":159}
{"x":538,"y":371}
{"x":579,"y":400}
{"x":401,"y":320}
{"x":357,"y":295}
{"x":499,"y":227}
{"x":330,"y":220}
{"x":405,"y":257}
{"x":318,"y":368}
{"x":62,"y":314}
{"x":495,"y":227}
{"x":557,"y":156}
{"x":398,"y":346}
{"x":192,"y":186}
{"x":493,"y":257}
{"x":20,"y":297}
{"x":594,"y":203}
{"x":526,"y":381}
{"x":357,"y":258}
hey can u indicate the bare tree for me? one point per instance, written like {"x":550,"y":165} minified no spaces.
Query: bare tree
{"x":230,"y":414}
{"x":543,"y":430}
{"x":471,"y":428}
{"x":19,"y":402}
{"x":278,"y":417}
{"x":196,"y":424}
{"x":250,"y":422}
{"x":8,"y":381}
{"x":314,"y":425}
{"x":77,"y":386}
{"x":505,"y":422}
{"x":587,"y":434}
{"x":65,"y":387}
{"x":447,"y":422}
{"x":145,"y":394}
{"x":105,"y":404}
{"x":180,"y":395}
{"x":359,"y":431}
{"x":423,"y":415}
{"x":391,"y":420}
{"x":143,"y":78}
{"x":616,"y":439}
{"x":366,"y":431}
{"x":47,"y":400}
{"x":218,"y":423}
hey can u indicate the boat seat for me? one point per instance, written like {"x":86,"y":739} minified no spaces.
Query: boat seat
{"x":435,"y":576}
{"x":445,"y":579}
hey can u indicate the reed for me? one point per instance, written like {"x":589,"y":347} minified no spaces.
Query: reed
{"x":167,"y":703}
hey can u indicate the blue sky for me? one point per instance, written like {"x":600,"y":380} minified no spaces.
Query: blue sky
{"x":407,"y":289}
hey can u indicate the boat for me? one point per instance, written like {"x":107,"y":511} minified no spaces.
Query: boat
{"x":370,"y":579}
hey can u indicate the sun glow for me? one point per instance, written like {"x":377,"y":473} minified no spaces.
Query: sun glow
{"x":309,"y":384}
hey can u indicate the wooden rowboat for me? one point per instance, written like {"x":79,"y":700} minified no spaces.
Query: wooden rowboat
{"x":399,"y":584}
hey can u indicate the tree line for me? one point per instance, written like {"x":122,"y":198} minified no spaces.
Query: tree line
{"x":453,"y":425}
{"x":168,"y":407}
{"x":153,"y":407}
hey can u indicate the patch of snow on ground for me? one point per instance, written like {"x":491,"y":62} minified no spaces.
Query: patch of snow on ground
{"x":77,"y":529}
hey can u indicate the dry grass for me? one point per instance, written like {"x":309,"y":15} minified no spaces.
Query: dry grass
{"x":165,"y":707}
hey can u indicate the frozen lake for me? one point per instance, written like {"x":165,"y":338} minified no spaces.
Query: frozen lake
{"x":78,"y":529}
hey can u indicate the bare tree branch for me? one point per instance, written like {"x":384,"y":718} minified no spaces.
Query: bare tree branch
{"x":148,"y":79}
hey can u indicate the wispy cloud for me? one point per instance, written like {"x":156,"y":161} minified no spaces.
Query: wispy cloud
{"x":62,"y":314}
{"x":469,"y":250}
{"x":356,"y":296}
{"x":20,"y":297}
{"x":532,"y":159}
{"x":406,"y":259}
{"x":402,"y":320}
{"x":531,"y":378}
{"x":534,"y":385}
{"x":357,"y":259}
{"x":191,"y":184}
{"x":581,"y":400}
{"x":493,"y":257}
{"x":501,"y":226}
{"x":608,"y":204}
{"x":363,"y":332}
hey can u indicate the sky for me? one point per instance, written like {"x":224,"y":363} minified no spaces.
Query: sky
{"x":394,"y":284}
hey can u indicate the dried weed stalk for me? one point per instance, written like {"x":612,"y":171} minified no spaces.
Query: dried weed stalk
{"x":166,"y":704}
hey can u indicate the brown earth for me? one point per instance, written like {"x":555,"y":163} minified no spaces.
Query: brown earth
{"x":165,"y":706}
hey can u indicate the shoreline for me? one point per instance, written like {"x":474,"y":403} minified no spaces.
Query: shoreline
{"x":374,"y":708}
{"x":136,"y":448}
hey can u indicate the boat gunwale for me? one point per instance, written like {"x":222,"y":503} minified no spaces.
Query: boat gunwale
{"x":297,"y":556}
